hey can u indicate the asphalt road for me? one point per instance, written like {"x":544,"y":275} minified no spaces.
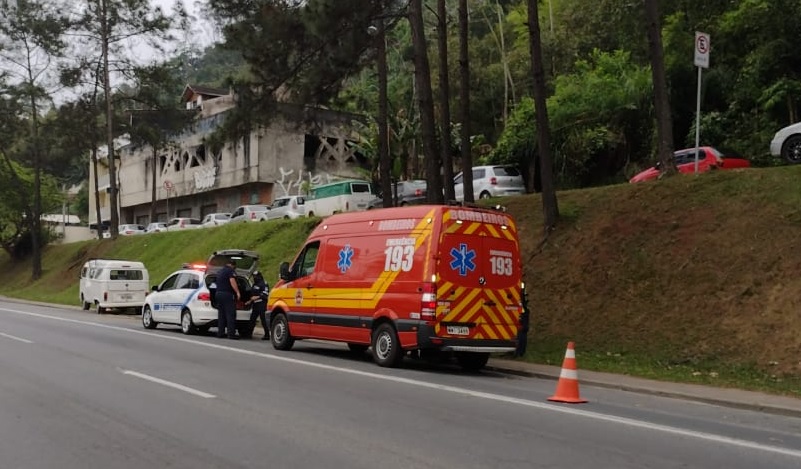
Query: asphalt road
{"x":84,"y":391}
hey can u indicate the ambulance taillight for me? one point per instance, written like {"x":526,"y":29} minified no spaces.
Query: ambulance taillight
{"x":428,"y":306}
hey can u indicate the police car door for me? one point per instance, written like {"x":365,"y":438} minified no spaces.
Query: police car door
{"x":162,"y":298}
{"x":185,"y":288}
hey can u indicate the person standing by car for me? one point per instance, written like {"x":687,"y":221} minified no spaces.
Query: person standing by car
{"x":258,"y":297}
{"x":226,"y":297}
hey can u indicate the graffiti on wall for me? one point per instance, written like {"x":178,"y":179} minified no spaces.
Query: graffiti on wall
{"x":289,"y":184}
{"x":204,"y":178}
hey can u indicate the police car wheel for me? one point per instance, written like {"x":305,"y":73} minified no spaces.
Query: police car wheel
{"x":147,"y":318}
{"x":187,"y":326}
{"x":280,"y":333}
{"x":386,"y":346}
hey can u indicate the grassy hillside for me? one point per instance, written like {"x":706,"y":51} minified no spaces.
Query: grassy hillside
{"x":689,"y":279}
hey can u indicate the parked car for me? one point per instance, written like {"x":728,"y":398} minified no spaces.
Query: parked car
{"x":112,"y":283}
{"x":128,"y":230}
{"x":287,"y":207}
{"x":491,"y":181}
{"x":215,"y":219}
{"x":708,"y":158}
{"x":156,"y":227}
{"x":349,"y":195}
{"x":182,"y":223}
{"x":787,"y":144}
{"x":407,"y":192}
{"x":248,"y":213}
{"x":186,"y":296}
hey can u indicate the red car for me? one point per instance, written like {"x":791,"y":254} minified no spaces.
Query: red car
{"x":708,"y":158}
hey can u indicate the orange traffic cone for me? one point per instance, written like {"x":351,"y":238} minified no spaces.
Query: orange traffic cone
{"x":567,"y":389}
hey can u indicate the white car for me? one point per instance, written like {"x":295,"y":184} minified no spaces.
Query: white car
{"x":491,"y":181}
{"x":156,"y":227}
{"x":128,"y":230}
{"x":287,"y":207}
{"x":183,"y":223}
{"x":215,"y":219}
{"x":186,"y":296}
{"x":787,"y":144}
{"x":248,"y":213}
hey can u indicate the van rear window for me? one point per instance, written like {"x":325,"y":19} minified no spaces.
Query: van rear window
{"x":125,"y":275}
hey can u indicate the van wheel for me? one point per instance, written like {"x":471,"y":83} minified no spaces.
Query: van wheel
{"x":187,"y":326}
{"x":386,"y":346}
{"x":280,"y":333}
{"x":85,"y":305}
{"x":357,"y":348}
{"x":147,"y":318}
{"x":100,"y":309}
{"x":472,"y":361}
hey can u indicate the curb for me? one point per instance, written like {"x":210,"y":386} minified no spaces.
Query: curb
{"x":747,"y":402}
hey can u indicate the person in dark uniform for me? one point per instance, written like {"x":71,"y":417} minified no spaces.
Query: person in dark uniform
{"x":258,"y":297}
{"x":522,"y":333}
{"x":226,"y":296}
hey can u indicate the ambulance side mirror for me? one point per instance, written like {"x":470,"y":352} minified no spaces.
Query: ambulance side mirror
{"x":284,"y":272}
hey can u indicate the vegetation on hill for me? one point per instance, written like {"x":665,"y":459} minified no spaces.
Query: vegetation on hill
{"x":694,"y":278}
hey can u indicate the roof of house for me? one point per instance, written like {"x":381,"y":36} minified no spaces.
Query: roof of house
{"x":189,"y":90}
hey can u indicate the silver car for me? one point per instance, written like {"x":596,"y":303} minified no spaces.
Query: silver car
{"x":248,"y":213}
{"x":287,"y":207}
{"x":215,"y":219}
{"x":491,"y":181}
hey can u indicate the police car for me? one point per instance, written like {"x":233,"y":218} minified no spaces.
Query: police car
{"x":186,"y":296}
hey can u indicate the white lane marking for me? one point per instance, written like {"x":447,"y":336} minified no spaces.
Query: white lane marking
{"x":452,"y":389}
{"x":169,"y":384}
{"x":20,"y":339}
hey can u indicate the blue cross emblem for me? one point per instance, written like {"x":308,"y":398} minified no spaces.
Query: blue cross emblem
{"x":463,"y":260}
{"x":345,"y":258}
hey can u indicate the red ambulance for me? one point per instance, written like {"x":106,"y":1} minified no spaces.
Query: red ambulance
{"x":416,"y":278}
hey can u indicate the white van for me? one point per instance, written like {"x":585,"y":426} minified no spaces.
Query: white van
{"x":339,"y":197}
{"x":111,"y":283}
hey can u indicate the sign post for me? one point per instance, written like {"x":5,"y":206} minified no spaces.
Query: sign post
{"x":702,"y":45}
{"x":168,"y":186}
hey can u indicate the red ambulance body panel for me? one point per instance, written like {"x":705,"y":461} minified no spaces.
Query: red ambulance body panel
{"x":444,"y":278}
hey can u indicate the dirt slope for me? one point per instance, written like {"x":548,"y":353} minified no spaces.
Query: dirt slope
{"x":690,"y":270}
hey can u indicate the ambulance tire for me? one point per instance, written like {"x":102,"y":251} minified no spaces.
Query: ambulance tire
{"x":387,"y":351}
{"x":279,"y":334}
{"x":472,"y":361}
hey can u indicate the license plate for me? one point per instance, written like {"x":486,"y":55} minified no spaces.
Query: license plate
{"x":125,"y":296}
{"x":458,"y":330}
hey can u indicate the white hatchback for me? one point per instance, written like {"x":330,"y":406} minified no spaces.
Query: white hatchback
{"x":491,"y":181}
{"x":186,"y":296}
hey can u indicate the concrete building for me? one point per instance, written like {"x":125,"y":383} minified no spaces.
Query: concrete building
{"x":300,"y":147}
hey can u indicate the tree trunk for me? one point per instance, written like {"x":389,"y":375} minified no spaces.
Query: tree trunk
{"x":661,"y":98}
{"x":112,"y":173}
{"x":464,"y":103}
{"x":97,"y":195}
{"x":153,"y":174}
{"x":444,"y":98}
{"x":422,"y":74}
{"x":550,"y":207}
{"x":384,"y":159}
{"x":35,"y":224}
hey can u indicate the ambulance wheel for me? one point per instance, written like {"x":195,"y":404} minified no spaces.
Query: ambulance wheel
{"x":280,"y":333}
{"x":386,"y":346}
{"x":472,"y":361}
{"x":187,"y":326}
{"x":147,"y":318}
{"x":357,"y":348}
